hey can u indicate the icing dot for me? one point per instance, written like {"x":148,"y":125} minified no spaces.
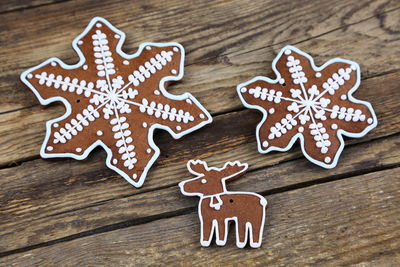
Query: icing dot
{"x":85,"y":67}
{"x":281,"y":81}
{"x":53,"y":64}
{"x":202,"y":116}
{"x":189,"y":101}
{"x":148,"y":151}
{"x":126,"y":62}
{"x":156,"y":92}
{"x":343,"y":97}
{"x":134,"y":176}
{"x":144,"y":124}
{"x":243,"y":89}
{"x":334,"y":126}
{"x":98,"y":25}
{"x":318,"y":74}
{"x":174,"y":72}
{"x":327,"y":159}
{"x":117,"y":36}
{"x":265,"y":143}
{"x":115,"y":161}
{"x":369,"y":120}
{"x":30,"y":76}
{"x":80,"y":42}
{"x":99,"y":133}
{"x":178,"y":128}
{"x":353,"y":67}
{"x":288,"y":52}
{"x":203,"y":181}
{"x":301,"y":129}
{"x":78,"y":149}
{"x":324,"y":150}
{"x":49,"y":148}
{"x":148,"y":47}
{"x":271,"y":111}
{"x":176,"y":49}
{"x":55,"y":125}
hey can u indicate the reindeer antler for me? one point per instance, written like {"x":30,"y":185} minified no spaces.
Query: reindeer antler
{"x":233,"y":170}
{"x":197,"y":167}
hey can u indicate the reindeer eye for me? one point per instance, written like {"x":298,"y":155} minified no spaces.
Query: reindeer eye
{"x":203,"y":181}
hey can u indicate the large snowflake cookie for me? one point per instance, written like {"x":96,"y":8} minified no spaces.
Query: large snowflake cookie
{"x":314,"y":104}
{"x":114,"y":100}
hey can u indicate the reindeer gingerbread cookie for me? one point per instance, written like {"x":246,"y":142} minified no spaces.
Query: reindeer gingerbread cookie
{"x":218,"y":207}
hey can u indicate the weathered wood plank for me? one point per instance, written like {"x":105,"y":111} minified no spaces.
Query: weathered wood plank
{"x":225,"y":47}
{"x":340,"y":223}
{"x":18,"y":5}
{"x":35,"y":210}
{"x":222,"y":135}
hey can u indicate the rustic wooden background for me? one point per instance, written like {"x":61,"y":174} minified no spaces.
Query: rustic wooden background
{"x":67,"y":212}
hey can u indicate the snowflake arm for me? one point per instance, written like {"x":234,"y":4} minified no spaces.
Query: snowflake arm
{"x":316,"y":106}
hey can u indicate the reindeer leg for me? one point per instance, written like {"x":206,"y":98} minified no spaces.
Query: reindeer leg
{"x":241,"y":233}
{"x":221,"y":233}
{"x":256,"y":237}
{"x":207,"y":228}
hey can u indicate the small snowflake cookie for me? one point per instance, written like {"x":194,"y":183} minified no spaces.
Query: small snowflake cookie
{"x":314,"y":104}
{"x":218,"y":207}
{"x":114,"y":100}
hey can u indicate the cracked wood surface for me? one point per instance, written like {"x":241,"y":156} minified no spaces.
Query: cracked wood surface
{"x":67,"y":212}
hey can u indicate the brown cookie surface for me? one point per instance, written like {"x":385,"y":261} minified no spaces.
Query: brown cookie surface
{"x":115,"y":100}
{"x":314,"y":104}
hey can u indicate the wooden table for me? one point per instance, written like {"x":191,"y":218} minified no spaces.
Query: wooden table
{"x":80,"y":213}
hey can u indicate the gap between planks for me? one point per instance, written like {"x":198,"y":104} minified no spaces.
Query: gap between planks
{"x":187,"y":210}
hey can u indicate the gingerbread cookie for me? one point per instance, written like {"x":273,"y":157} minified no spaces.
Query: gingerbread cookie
{"x":218,"y":207}
{"x":313,"y":104}
{"x":114,"y":100}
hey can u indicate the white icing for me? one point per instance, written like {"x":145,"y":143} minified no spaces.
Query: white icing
{"x":176,"y":49}
{"x":327,"y":159}
{"x":265,"y":144}
{"x":98,"y":25}
{"x":202,"y":116}
{"x":281,"y":81}
{"x":370,"y":120}
{"x":125,"y":62}
{"x":223,"y":200}
{"x":144,"y":124}
{"x":343,"y":97}
{"x":150,"y":67}
{"x":148,"y":47}
{"x":288,"y":52}
{"x":78,"y":149}
{"x":112,"y":96}
{"x":334,"y":126}
{"x":156,"y":92}
{"x":300,"y":129}
{"x":271,"y":111}
{"x":49,"y":148}
{"x":55,"y":125}
{"x":53,"y":64}
{"x":178,"y":128}
{"x":243,"y":89}
{"x":148,"y":151}
{"x":115,"y":161}
{"x":174,"y":72}
{"x":318,"y":74}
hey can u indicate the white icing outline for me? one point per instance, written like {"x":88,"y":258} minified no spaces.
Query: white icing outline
{"x":81,"y":62}
{"x":340,"y":132}
{"x":214,"y":227}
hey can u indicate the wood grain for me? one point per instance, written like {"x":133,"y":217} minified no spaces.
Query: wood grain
{"x":340,"y":223}
{"x":35,"y":209}
{"x":235,"y":42}
{"x":67,"y":212}
{"x":29,"y":125}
